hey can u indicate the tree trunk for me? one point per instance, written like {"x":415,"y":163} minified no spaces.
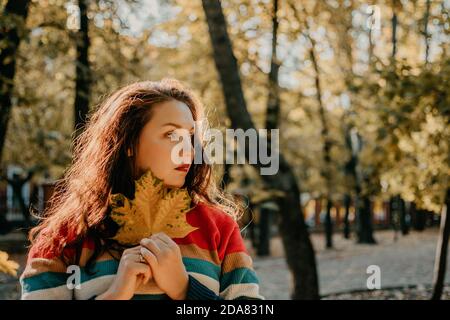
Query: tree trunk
{"x":404,"y":224}
{"x":363,"y":209}
{"x":273,"y":101}
{"x":365,"y":230}
{"x":418,"y":217}
{"x":398,"y":209}
{"x":347,"y":202}
{"x":264,"y":231}
{"x":326,"y":174}
{"x":394,"y":29}
{"x":24,"y":209}
{"x":425,"y":31}
{"x":10,"y":37}
{"x":440,"y":263}
{"x":83,"y":71}
{"x":328,"y":226}
{"x":350,"y":168}
{"x":272,"y":119}
{"x":370,"y":59}
{"x":298,"y":247}
{"x":394,"y":217}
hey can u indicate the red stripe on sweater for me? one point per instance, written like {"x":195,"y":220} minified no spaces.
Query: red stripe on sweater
{"x":217,"y":231}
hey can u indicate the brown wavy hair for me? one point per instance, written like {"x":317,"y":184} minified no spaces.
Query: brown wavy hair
{"x":79,"y":204}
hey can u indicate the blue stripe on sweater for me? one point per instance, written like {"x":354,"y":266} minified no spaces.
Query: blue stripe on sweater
{"x":48,"y":280}
{"x":44,"y":280}
{"x":238,"y":276}
{"x":203,"y":267}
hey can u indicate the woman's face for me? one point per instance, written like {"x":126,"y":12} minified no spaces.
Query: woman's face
{"x":171,"y":124}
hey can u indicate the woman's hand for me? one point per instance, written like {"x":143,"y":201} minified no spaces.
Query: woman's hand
{"x":132,"y":272}
{"x":164,"y":257}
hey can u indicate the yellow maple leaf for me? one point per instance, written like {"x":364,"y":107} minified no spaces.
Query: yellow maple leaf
{"x":8,"y":266}
{"x":155,"y":208}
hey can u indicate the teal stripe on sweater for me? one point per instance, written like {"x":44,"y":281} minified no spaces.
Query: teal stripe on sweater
{"x":100,"y":269}
{"x":44,"y":280}
{"x":238,"y":276}
{"x":192,"y":265}
{"x":48,"y":280}
{"x":203,"y":267}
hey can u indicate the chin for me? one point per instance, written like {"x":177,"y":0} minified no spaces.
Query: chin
{"x":175,"y":179}
{"x":174,"y":184}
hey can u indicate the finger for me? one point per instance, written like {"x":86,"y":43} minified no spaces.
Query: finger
{"x":165,"y":238}
{"x":135,"y":257}
{"x":139,"y":258}
{"x":143,"y":271}
{"x":149,"y":257}
{"x":147,"y":275}
{"x":131,"y":250}
{"x":168,"y":241}
{"x":151,"y":245}
{"x":139,"y":280}
{"x":161,"y":244}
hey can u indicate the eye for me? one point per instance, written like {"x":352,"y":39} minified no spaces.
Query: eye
{"x":172,"y":135}
{"x":176,"y":137}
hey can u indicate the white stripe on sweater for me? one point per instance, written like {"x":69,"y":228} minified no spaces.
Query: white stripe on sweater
{"x":55,"y":293}
{"x":234,"y":291}
{"x":210,"y":283}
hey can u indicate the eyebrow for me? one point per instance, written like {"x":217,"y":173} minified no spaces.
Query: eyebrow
{"x":174,"y":125}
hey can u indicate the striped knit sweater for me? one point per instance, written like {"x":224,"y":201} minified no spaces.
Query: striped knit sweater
{"x":214,"y":256}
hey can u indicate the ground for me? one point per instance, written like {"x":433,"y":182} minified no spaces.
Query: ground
{"x":409,"y":261}
{"x":406,"y":268}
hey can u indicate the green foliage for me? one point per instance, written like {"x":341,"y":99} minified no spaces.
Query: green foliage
{"x":409,"y":112}
{"x":400,"y":110}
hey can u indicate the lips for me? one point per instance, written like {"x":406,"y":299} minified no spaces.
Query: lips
{"x":184,"y":168}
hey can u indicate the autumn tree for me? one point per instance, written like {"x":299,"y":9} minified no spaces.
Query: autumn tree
{"x":12,"y":31}
{"x":299,"y":250}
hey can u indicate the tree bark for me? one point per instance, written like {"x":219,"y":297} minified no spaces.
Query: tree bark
{"x":418,"y":217}
{"x":325,"y":148}
{"x":425,"y":31}
{"x":326,"y":171}
{"x":298,"y":247}
{"x":363,"y":214}
{"x":365,"y":229}
{"x":264,"y":231}
{"x":10,"y":36}
{"x":394,"y":217}
{"x":328,"y":226}
{"x":273,"y":101}
{"x":398,"y":210}
{"x":441,"y":251}
{"x":404,"y":225}
{"x":347,"y":202}
{"x":363,"y":207}
{"x":83,"y":71}
{"x":394,"y":29}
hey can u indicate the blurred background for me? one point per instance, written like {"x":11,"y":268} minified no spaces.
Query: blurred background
{"x":359,"y":91}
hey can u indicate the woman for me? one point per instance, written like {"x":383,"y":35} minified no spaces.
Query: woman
{"x":132,"y":132}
